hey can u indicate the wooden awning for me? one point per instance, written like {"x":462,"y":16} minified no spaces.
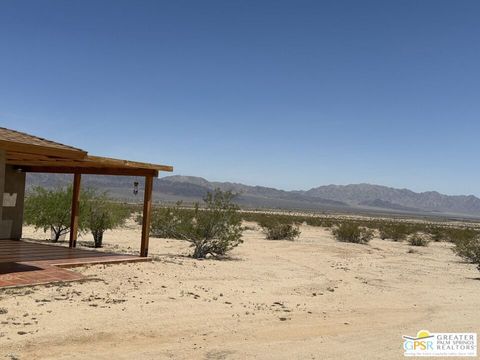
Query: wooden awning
{"x":30,"y":153}
{"x":34,"y":154}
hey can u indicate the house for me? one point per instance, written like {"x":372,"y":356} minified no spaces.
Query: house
{"x":21,"y":153}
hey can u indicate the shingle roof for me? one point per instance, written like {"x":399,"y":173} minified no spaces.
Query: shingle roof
{"x":14,"y":136}
{"x":35,"y":154}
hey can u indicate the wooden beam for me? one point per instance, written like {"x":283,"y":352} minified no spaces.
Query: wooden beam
{"x":43,"y":150}
{"x":75,"y":210}
{"x":110,"y":162}
{"x":22,"y":159}
{"x":89,"y":170}
{"x":15,"y":155}
{"x":147,"y":212}
{"x":51,"y":162}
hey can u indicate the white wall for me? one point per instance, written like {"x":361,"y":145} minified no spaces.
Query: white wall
{"x":2,"y":180}
{"x":12,"y":193}
{"x":13,"y":201}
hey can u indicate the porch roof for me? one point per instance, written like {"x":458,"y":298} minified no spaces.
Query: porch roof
{"x":35,"y":154}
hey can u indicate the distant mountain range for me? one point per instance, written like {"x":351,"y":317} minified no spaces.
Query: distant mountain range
{"x":345,"y":198}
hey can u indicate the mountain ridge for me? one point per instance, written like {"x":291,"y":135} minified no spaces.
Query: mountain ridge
{"x":350,"y":197}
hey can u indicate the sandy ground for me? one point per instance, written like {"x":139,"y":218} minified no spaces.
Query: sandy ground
{"x":313,"y":298}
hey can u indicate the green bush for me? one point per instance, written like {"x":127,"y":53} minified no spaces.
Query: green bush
{"x":461,"y":235}
{"x":50,"y":210}
{"x":351,"y":232}
{"x":102,"y":214}
{"x":394,"y":231}
{"x":217,"y":229}
{"x":168,"y":222}
{"x":438,"y":233}
{"x":326,"y":223}
{"x":263,"y":218}
{"x":418,"y":239}
{"x":281,"y":231}
{"x":213,"y":230}
{"x":469,"y":249}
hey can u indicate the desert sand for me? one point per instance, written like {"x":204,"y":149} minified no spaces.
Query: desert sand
{"x":313,"y":298}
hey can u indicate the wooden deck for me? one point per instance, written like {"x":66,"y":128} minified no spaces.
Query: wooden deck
{"x":28,"y":263}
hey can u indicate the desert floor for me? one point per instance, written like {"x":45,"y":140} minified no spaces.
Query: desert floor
{"x":313,"y":298}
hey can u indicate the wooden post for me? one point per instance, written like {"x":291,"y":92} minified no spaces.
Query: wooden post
{"x":75,"y":210}
{"x":147,"y":210}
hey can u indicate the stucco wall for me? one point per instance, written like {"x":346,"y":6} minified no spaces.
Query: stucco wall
{"x":12,"y":193}
{"x":13,"y":201}
{"x":2,"y":180}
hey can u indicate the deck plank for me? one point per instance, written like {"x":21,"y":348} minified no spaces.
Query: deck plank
{"x":24,"y":263}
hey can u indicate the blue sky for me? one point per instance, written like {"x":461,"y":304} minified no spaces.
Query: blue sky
{"x":290,"y":94}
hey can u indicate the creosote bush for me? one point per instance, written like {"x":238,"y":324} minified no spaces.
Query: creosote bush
{"x":264,"y":218}
{"x":469,"y":249}
{"x":460,"y":235}
{"x":102,"y":214}
{"x":50,"y":210}
{"x":418,"y":239}
{"x":351,"y":232}
{"x":212,"y":230}
{"x":167,"y":222}
{"x":438,"y":234}
{"x":395,"y":232}
{"x":277,"y":231}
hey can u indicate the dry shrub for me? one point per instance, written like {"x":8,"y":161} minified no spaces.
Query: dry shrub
{"x":395,"y":232}
{"x":418,"y":239}
{"x":214,"y":229}
{"x":167,"y":222}
{"x":469,"y":249}
{"x":353,"y":233}
{"x":277,"y":231}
